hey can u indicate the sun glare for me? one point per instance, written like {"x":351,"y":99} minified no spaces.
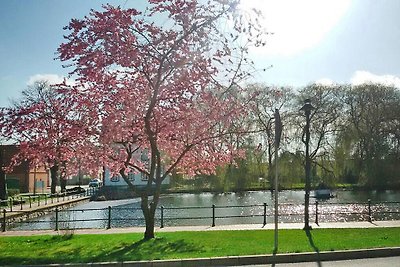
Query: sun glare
{"x":296,"y":25}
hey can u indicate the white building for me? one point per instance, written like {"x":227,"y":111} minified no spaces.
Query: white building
{"x":137,"y":179}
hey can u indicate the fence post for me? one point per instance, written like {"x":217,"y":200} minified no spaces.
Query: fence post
{"x":213,"y":215}
{"x":162,"y":217}
{"x":11,"y":204}
{"x":56,"y":219}
{"x":45,"y":199}
{"x":4,"y":221}
{"x":109,"y":218}
{"x":21,"y":202}
{"x":316,"y":212}
{"x":38,"y":203}
{"x":30,"y":202}
{"x":369,"y":211}
{"x":265,"y":214}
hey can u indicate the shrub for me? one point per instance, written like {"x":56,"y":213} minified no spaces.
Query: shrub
{"x":12,"y":192}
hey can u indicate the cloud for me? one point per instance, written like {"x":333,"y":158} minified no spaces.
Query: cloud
{"x":361,"y":77}
{"x":325,"y":82}
{"x":51,"y":78}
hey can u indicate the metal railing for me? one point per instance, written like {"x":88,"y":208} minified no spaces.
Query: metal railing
{"x":31,"y":201}
{"x":122,"y":216}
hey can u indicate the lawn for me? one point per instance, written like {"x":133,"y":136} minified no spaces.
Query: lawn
{"x":130,"y":247}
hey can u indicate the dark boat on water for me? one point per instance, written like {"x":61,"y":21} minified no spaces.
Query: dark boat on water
{"x":322,"y":191}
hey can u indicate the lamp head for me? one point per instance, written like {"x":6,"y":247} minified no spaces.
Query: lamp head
{"x":307,"y":105}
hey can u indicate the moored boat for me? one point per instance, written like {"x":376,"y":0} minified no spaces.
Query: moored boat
{"x":323,"y":191}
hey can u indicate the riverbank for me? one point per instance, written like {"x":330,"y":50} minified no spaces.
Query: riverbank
{"x":115,"y":193}
{"x":297,"y":186}
{"x":76,"y":247}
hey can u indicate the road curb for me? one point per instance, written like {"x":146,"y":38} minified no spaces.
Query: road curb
{"x":250,"y":259}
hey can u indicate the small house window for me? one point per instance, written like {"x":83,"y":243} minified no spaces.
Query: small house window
{"x":144,"y":177}
{"x":131,"y":176}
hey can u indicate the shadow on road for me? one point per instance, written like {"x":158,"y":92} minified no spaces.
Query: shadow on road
{"x":310,"y":239}
{"x":274,"y":252}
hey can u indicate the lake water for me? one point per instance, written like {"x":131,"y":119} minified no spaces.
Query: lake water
{"x":230,"y":208}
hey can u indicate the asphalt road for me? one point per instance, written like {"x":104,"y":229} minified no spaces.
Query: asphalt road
{"x":374,"y":262}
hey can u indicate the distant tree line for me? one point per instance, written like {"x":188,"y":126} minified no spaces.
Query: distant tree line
{"x":355,"y":139}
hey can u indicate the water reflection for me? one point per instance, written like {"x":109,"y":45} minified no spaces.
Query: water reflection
{"x":177,"y":211}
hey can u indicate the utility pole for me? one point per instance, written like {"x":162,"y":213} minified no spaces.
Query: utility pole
{"x":278,"y":132}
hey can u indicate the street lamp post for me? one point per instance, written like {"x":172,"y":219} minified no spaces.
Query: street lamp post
{"x":307,"y":111}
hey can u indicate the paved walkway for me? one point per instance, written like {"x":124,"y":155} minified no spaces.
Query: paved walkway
{"x":375,"y":224}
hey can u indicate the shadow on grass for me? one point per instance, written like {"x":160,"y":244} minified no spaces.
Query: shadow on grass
{"x":311,"y":241}
{"x":152,"y":249}
{"x":157,"y":248}
{"x":62,"y":237}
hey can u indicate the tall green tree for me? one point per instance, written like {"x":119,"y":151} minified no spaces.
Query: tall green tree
{"x":374,"y":120}
{"x":325,"y":122}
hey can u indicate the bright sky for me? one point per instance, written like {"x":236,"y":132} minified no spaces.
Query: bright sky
{"x":300,"y":27}
{"x":342,"y":41}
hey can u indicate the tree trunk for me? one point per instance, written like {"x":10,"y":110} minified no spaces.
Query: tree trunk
{"x":149,"y":233}
{"x":3,"y":188}
{"x":54,"y":177}
{"x":63,"y":184}
{"x":149,"y":210}
{"x":149,"y":214}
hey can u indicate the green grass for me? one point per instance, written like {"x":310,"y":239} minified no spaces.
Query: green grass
{"x":130,"y":247}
